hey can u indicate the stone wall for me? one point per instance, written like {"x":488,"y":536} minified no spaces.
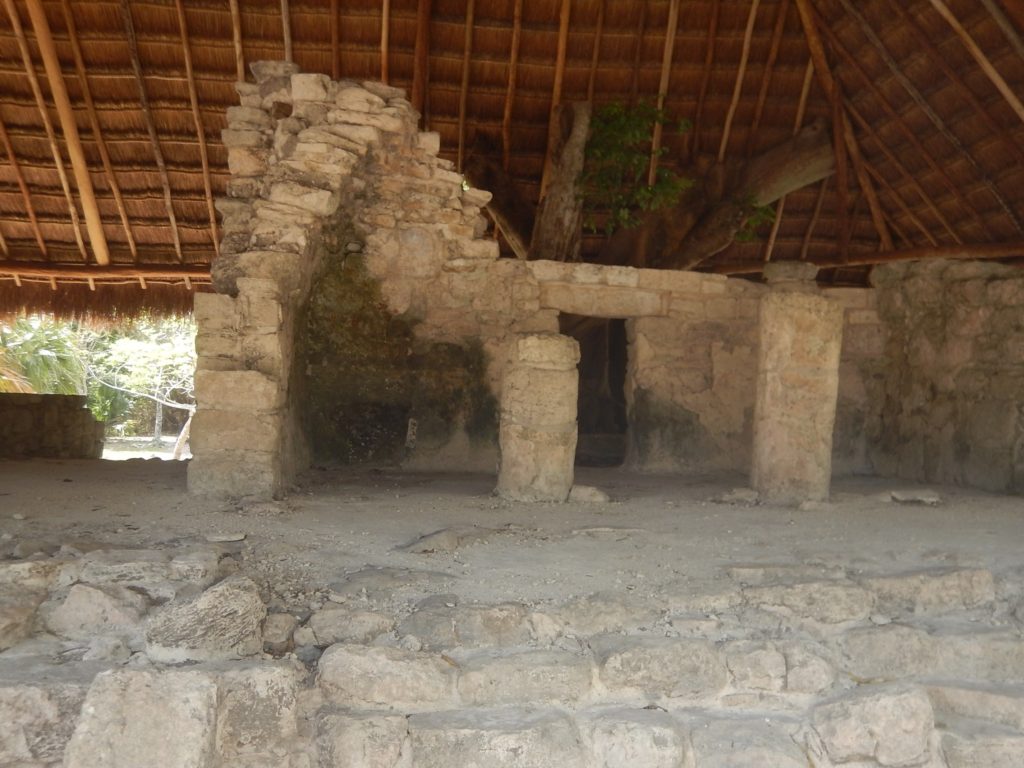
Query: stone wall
{"x":952,"y":405}
{"x":48,"y":426}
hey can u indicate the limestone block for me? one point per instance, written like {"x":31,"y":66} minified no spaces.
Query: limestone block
{"x":28,"y":575}
{"x":362,"y":740}
{"x":494,"y":678}
{"x":601,"y":612}
{"x":535,"y":465}
{"x":382,"y":121}
{"x":266,"y":70}
{"x":828,"y":602}
{"x":509,"y":738}
{"x":17,"y":616}
{"x":87,"y":611}
{"x":257,"y":710}
{"x":247,"y":118}
{"x":39,"y":707}
{"x":224,"y":622}
{"x":807,"y":672}
{"x":890,"y":652}
{"x":214,"y":313}
{"x":134,"y":718}
{"x":657,"y":666}
{"x":233,"y":139}
{"x":429,"y":142}
{"x":632,"y":737}
{"x":365,"y":677}
{"x":891,"y":725}
{"x":278,"y":631}
{"x":358,"y":99}
{"x":1001,"y":704}
{"x":248,"y":391}
{"x":321,"y":202}
{"x":217,"y":430}
{"x":746,"y":744}
{"x":345,"y":624}
{"x":148,"y":571}
{"x":440,"y":627}
{"x":755,"y":667}
{"x":603,"y":300}
{"x":310,"y":87}
{"x":933,"y":591}
{"x":235,"y":473}
{"x":982,"y":747}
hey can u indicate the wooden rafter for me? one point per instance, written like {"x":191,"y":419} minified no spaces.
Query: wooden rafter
{"x":73,"y":142}
{"x":1006,"y":25}
{"x":766,"y":78}
{"x":663,"y":83}
{"x":335,"y":25}
{"x":556,"y":90}
{"x":886,"y":187}
{"x":979,"y":56}
{"x":805,"y":245}
{"x":638,"y":49}
{"x":595,"y":54}
{"x":72,"y":271}
{"x":236,"y":39}
{"x":193,"y":98}
{"x":3,"y":245}
{"x":421,"y":57}
{"x":510,"y":92}
{"x":286,"y":30}
{"x":97,"y":132}
{"x":51,"y":135}
{"x":467,"y":52}
{"x":705,"y":82}
{"x":385,"y":40}
{"x":741,"y":73}
{"x":26,"y":196}
{"x":932,"y":115}
{"x":147,"y":115}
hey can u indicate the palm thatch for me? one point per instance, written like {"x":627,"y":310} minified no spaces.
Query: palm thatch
{"x":930,"y":89}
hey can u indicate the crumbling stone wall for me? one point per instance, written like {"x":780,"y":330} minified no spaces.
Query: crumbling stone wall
{"x":48,"y":426}
{"x":952,"y":407}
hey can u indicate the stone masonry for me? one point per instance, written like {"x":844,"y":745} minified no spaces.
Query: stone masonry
{"x":48,"y":426}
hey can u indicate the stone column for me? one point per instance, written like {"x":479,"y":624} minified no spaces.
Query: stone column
{"x":797,"y":387}
{"x":538,"y":418}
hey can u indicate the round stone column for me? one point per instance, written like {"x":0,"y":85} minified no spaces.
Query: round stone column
{"x":538,"y":418}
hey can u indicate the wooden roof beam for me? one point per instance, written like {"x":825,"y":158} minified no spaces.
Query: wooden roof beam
{"x":595,"y":54}
{"x":147,"y":114}
{"x":79,"y":166}
{"x":932,"y":115}
{"x":200,"y":130}
{"x":26,"y":196}
{"x":638,"y":49}
{"x":556,"y":91}
{"x":44,"y":113}
{"x":666,"y":73}
{"x":35,"y":269}
{"x":335,"y":25}
{"x":467,"y":52}
{"x":705,"y":82}
{"x":421,"y":57}
{"x":94,"y":124}
{"x":886,"y":187}
{"x":741,"y":72}
{"x":286,"y":30}
{"x":766,"y":78}
{"x":236,"y":39}
{"x":385,"y":40}
{"x":513,"y":66}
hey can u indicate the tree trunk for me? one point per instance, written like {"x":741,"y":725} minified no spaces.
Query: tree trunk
{"x":557,"y":229}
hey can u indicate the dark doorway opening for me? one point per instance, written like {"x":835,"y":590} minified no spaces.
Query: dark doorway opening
{"x":602,"y":398}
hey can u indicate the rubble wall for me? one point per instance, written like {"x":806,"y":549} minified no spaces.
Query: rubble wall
{"x":952,"y":406}
{"x":48,"y":426}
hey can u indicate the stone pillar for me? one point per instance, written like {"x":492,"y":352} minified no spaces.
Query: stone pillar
{"x":797,"y":387}
{"x":538,"y":418}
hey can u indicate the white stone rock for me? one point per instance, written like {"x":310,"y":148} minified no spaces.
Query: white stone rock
{"x":1002,"y":704}
{"x":310,"y":87}
{"x":982,"y":746}
{"x":221,"y":623}
{"x":827,"y":602}
{"x":892,"y":725}
{"x":362,"y":740}
{"x":87,"y":611}
{"x":756,"y":667}
{"x":806,"y":672}
{"x":364,"y":677}
{"x":358,"y":99}
{"x":659,"y":667}
{"x":278,"y":631}
{"x":139,"y":717}
{"x":746,"y":744}
{"x":933,"y":591}
{"x":17,"y":615}
{"x":348,"y":625}
{"x":502,"y":738}
{"x":322,"y":202}
{"x":634,"y":737}
{"x":588,"y":494}
{"x":469,"y":626}
{"x":29,"y":575}
{"x":496,"y":678}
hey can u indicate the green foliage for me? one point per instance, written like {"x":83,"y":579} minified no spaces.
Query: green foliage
{"x":41,"y":355}
{"x":617,"y":161}
{"x":759,"y":216}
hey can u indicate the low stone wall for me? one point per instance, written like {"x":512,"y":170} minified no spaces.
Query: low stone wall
{"x":952,"y":405}
{"x":48,"y":426}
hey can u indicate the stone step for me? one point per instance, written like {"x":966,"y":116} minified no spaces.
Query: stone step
{"x":999,"y":704}
{"x":968,"y":743}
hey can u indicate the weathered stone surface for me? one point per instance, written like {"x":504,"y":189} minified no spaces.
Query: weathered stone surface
{"x":603,"y":300}
{"x":933,"y":591}
{"x":29,"y":575}
{"x":498,"y":678}
{"x":149,"y":571}
{"x":344,"y":624}
{"x":798,"y":379}
{"x":659,"y":667}
{"x":17,"y":616}
{"x":890,"y":725}
{"x":221,"y":623}
{"x":746,"y":744}
{"x":631,"y":737}
{"x":139,"y":717}
{"x":1002,"y":704}
{"x":438,"y":626}
{"x":364,"y":677}
{"x":257,"y":710}
{"x":602,"y":612}
{"x":278,"y":631}
{"x":807,"y":672}
{"x":87,"y":611}
{"x":982,"y":746}
{"x":828,"y":602}
{"x":509,"y":738}
{"x":755,"y":667}
{"x":362,"y":740}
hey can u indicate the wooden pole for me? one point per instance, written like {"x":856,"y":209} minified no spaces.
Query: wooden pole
{"x":979,"y":56}
{"x":1006,"y":25}
{"x":385,"y":37}
{"x":32,"y":269}
{"x":198,"y":120}
{"x":335,"y":24}
{"x":467,"y":51}
{"x":806,"y":244}
{"x":79,"y":166}
{"x":147,"y":115}
{"x":666,"y":73}
{"x":880,"y":180}
{"x":26,"y":196}
{"x":421,"y":57}
{"x":638,"y":51}
{"x":556,"y":92}
{"x":738,"y":86}
{"x":51,"y":135}
{"x":766,"y":78}
{"x":513,"y":65}
{"x":709,"y":61}
{"x":236,"y":38}
{"x":94,"y":123}
{"x":286,"y":29}
{"x":595,"y":54}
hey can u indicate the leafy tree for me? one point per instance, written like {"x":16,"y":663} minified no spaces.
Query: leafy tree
{"x":39,"y":354}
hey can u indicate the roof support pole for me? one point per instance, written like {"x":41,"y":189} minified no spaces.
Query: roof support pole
{"x":513,"y":65}
{"x":236,"y":38}
{"x":556,"y":92}
{"x":93,"y":222}
{"x":666,"y":72}
{"x":467,"y":52}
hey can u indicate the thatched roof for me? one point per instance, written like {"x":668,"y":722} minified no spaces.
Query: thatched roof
{"x":932,"y":90}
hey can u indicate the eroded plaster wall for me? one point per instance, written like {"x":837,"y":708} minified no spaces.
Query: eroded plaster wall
{"x":48,"y":426}
{"x":952,"y":404}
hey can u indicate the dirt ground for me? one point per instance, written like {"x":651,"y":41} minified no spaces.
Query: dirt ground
{"x":657,"y":535}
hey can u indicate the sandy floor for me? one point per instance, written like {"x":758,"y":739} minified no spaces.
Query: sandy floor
{"x":658,"y":534}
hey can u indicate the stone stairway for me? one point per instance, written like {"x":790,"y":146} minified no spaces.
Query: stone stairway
{"x":769,"y":666}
